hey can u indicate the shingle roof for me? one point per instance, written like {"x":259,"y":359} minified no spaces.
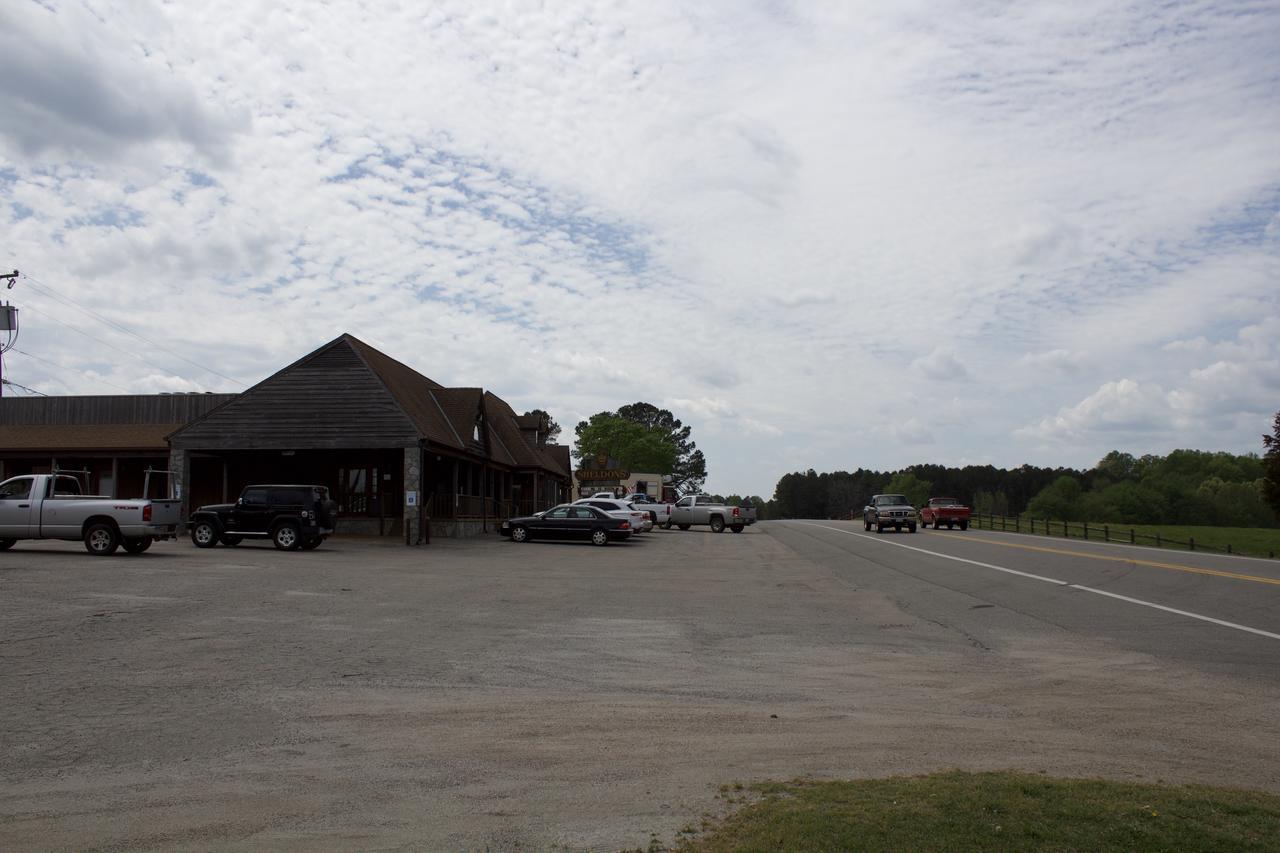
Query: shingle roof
{"x":82,"y":437}
{"x":505,"y":423}
{"x":510,"y":429}
{"x":413,"y":392}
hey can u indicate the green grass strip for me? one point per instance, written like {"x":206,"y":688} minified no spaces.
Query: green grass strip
{"x":957,"y":811}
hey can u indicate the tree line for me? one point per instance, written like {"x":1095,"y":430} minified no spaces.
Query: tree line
{"x":1184,"y":487}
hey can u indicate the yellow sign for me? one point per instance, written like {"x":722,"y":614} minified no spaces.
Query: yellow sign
{"x":605,"y":474}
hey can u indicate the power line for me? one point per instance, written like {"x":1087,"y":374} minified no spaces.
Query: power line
{"x":12,"y":384}
{"x":80,"y":331}
{"x":50,"y":292}
{"x":65,"y":367}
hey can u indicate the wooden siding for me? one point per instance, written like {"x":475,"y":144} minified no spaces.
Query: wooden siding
{"x":116,"y":409}
{"x":331,"y":400}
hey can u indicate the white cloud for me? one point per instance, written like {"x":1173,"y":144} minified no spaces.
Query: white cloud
{"x":1056,"y":361}
{"x":940,"y":364}
{"x":1120,"y":406}
{"x":775,"y":219}
{"x":75,"y":85}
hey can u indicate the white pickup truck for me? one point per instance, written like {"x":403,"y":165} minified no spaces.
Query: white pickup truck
{"x":50,"y":506}
{"x":659,"y":511}
{"x":704,"y":509}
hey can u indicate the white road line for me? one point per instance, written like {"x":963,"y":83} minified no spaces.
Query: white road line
{"x":1224,"y":623}
{"x":1053,"y":581}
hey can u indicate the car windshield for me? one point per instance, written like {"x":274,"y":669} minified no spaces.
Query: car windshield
{"x":891,"y":500}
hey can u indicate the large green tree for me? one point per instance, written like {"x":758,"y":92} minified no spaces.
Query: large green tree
{"x":629,"y":443}
{"x":690,"y":469}
{"x":1271,"y":466}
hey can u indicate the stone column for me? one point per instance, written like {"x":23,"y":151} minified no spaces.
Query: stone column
{"x":412,"y":483}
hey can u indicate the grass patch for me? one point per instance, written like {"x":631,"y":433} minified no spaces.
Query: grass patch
{"x":1247,"y":541}
{"x":957,"y":811}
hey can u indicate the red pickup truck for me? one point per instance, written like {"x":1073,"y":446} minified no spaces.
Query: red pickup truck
{"x":947,"y":512}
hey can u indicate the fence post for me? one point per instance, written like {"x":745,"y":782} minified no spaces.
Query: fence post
{"x":1002,"y":520}
{"x":1192,"y":543}
{"x":1066,"y":534}
{"x":1086,"y":531}
{"x":1228,"y":547}
{"x":1133,"y":537}
{"x":1017,"y":524}
{"x":1106,"y":533}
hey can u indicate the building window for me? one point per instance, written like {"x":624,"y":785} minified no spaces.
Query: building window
{"x":357,"y":489}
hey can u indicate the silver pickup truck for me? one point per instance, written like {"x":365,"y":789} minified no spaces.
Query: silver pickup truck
{"x":50,"y":506}
{"x":703,"y":509}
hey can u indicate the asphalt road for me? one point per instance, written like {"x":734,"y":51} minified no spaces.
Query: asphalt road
{"x":1217,"y":613}
{"x":483,"y":695}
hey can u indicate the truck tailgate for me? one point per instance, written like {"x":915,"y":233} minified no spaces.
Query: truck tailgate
{"x":166,"y":511}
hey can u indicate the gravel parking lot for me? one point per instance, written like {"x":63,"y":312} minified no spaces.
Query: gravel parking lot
{"x":485,"y":695}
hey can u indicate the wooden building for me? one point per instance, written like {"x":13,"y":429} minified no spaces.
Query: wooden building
{"x":401,"y":454}
{"x":397,"y":450}
{"x":111,"y":440}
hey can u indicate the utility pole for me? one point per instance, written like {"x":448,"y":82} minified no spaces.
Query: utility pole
{"x":8,"y":324}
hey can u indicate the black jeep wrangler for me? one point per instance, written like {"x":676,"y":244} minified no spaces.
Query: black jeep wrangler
{"x":290,"y":516}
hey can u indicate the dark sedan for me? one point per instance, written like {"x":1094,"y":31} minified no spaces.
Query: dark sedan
{"x":569,"y":522}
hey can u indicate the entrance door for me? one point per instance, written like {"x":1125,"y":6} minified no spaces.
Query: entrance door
{"x":15,"y":508}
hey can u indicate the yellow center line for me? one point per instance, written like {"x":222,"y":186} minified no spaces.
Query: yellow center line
{"x":1171,"y":566}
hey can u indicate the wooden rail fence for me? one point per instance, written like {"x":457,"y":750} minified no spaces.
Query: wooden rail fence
{"x":1096,"y":532}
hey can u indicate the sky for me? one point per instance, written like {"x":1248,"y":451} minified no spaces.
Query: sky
{"x":824,"y":235}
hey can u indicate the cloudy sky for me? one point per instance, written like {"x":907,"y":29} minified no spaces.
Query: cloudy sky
{"x":825,"y":235}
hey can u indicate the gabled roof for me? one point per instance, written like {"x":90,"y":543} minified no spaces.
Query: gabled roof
{"x":348,"y":394}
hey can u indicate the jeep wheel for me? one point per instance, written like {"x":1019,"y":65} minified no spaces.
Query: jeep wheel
{"x":519,"y":534}
{"x":717,"y":524}
{"x":204,"y":534}
{"x":136,"y":545}
{"x":285,"y":537}
{"x":666,"y":525}
{"x":599,"y":537}
{"x":964,"y":525}
{"x":6,"y":544}
{"x":879,"y":528}
{"x":101,"y":540}
{"x":911,"y":528}
{"x":312,"y":543}
{"x":924,"y":524}
{"x":231,"y":540}
{"x":737,"y":528}
{"x":685,"y":526}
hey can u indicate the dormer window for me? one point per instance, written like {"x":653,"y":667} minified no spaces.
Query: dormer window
{"x":475,"y":431}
